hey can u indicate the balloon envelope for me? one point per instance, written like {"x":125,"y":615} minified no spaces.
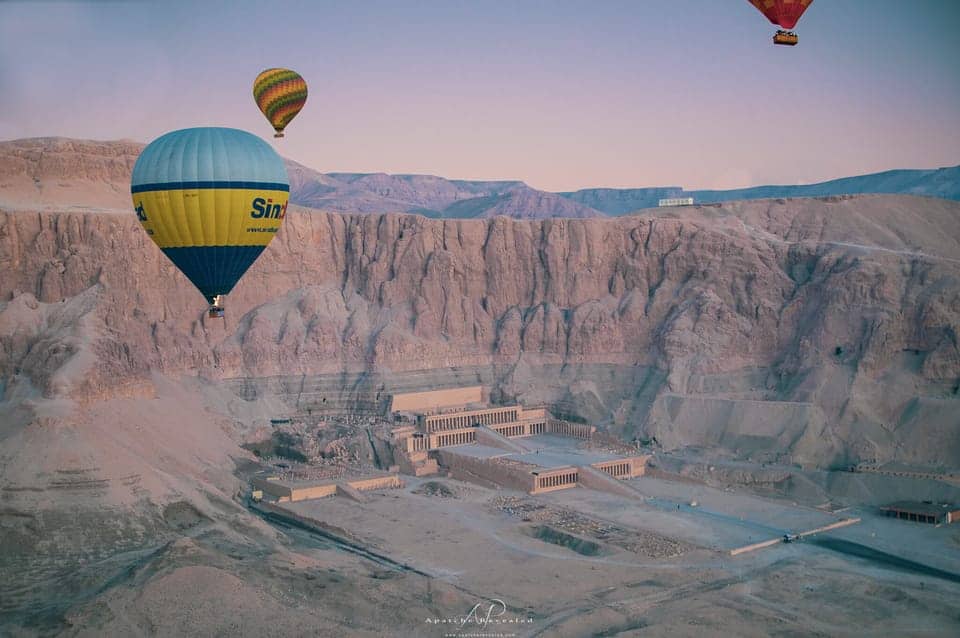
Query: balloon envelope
{"x":280,"y":94}
{"x":211,"y":199}
{"x":784,"y":13}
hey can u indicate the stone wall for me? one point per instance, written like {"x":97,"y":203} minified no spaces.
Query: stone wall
{"x":431,"y":400}
{"x":273,"y":488}
{"x":510,"y":475}
{"x":376,"y":483}
{"x":313,"y":491}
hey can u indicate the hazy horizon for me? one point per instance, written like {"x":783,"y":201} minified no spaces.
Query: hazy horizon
{"x":560,"y":95}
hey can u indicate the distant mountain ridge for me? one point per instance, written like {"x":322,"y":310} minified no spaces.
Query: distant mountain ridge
{"x":439,"y":197}
{"x":427,"y":195}
{"x":55,"y":171}
{"x":941,"y":182}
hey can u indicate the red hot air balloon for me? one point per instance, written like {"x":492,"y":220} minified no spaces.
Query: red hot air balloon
{"x":783,"y":13}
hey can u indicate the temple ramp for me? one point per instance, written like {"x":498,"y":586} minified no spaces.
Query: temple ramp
{"x":599,"y":480}
{"x":352,"y":493}
{"x":489,"y":436}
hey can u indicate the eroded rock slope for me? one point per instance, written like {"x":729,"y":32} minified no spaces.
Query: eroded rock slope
{"x":823,"y":330}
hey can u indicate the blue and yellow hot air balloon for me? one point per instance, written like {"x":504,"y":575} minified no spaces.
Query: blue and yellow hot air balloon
{"x":211,"y":199}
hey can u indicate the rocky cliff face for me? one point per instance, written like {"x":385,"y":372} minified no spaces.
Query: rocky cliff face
{"x":66,"y":174}
{"x":757,"y":327}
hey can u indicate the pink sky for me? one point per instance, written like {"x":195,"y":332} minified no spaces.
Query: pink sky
{"x":562,"y":95}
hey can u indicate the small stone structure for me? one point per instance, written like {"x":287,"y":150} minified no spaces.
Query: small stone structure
{"x":923,"y":512}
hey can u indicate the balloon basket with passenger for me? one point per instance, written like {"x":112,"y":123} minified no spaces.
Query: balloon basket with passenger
{"x":788,"y":38}
{"x":784,"y":14}
{"x":216,"y":307}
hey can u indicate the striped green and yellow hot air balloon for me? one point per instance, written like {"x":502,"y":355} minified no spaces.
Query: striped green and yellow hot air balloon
{"x":211,"y":199}
{"x":280,"y":94}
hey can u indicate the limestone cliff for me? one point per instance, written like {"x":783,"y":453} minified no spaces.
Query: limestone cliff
{"x":821,"y":330}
